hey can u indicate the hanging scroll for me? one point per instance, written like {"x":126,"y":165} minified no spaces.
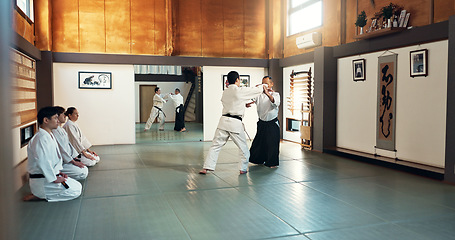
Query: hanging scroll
{"x":386,"y":106}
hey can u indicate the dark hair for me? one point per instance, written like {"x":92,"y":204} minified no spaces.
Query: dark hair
{"x":69,"y":111}
{"x":178,"y":90}
{"x":232,"y":77}
{"x":156,"y":89}
{"x":46,"y":112}
{"x":60,"y":110}
{"x":267,"y":77}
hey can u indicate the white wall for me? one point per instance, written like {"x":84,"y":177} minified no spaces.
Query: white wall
{"x":166,"y":87}
{"x":291,"y":136}
{"x":420,"y":110}
{"x":213,"y":89}
{"x":106,"y":115}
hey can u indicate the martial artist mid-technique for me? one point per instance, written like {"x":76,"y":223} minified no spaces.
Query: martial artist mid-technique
{"x":72,"y":166}
{"x":230,"y":125}
{"x":177,"y":98}
{"x":45,"y":162}
{"x":78,"y":140}
{"x":157,"y":111}
{"x":266,"y":144}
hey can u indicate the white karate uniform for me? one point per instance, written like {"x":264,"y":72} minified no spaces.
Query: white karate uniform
{"x":44,"y":158}
{"x":68,"y":154}
{"x":234,"y":99}
{"x":177,"y":99}
{"x":79,"y":142}
{"x":158,"y":101}
{"x":268,"y":110}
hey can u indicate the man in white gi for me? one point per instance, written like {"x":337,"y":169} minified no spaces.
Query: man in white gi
{"x":157,"y":111}
{"x":72,"y":166}
{"x":78,"y":139}
{"x":230,"y":125}
{"x":45,"y":162}
{"x":266,"y":144}
{"x":177,"y":98}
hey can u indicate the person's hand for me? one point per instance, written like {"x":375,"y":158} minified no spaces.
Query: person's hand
{"x":78,"y":164}
{"x":265,"y":87}
{"x":248,"y":105}
{"x":88,"y":156}
{"x":60,"y":179}
{"x":63,"y":175}
{"x":92,"y":152}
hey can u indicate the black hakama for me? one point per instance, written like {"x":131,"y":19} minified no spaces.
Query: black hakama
{"x":266,"y":144}
{"x":179,"y":118}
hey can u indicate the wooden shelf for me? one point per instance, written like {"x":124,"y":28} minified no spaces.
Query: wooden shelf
{"x":380,"y":32}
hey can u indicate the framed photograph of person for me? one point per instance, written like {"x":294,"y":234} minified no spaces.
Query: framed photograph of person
{"x":244,"y":81}
{"x":95,"y":80}
{"x":358,"y":67}
{"x":419,"y":63}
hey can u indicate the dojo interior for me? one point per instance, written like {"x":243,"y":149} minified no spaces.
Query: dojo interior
{"x":339,"y":178}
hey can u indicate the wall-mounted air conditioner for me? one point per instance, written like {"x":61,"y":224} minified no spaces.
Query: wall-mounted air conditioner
{"x":309,"y":40}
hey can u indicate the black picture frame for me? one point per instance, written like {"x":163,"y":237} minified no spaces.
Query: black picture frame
{"x":27,"y":133}
{"x":244,"y":81}
{"x":95,"y":80}
{"x":418,"y":64}
{"x":358,"y":70}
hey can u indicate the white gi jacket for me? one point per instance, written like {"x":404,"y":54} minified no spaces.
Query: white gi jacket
{"x":234,"y":99}
{"x":43,"y":158}
{"x":267,"y":110}
{"x":158,"y":101}
{"x":177,"y":99}
{"x":75,"y":136}
{"x":66,"y":149}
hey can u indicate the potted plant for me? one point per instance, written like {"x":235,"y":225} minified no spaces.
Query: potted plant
{"x":361,"y":21}
{"x":387,"y":13}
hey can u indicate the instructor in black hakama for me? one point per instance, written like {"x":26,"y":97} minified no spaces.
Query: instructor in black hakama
{"x":266,"y":144}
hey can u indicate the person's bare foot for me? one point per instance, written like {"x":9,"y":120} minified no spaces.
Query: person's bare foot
{"x":31,"y":197}
{"x":145,"y":130}
{"x":273,"y":167}
{"x":183,"y":130}
{"x":204,"y":171}
{"x":243,"y":172}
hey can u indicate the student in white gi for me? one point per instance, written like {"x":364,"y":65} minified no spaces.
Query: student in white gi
{"x":266,"y":144}
{"x":177,"y":98}
{"x":157,"y":111}
{"x":78,"y":139}
{"x":230,"y":125}
{"x":72,"y":166}
{"x":45,"y":163}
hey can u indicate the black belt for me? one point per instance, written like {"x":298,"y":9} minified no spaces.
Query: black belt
{"x":42,"y":176}
{"x":233,"y":116}
{"x":273,"y":120}
{"x":160,"y":110}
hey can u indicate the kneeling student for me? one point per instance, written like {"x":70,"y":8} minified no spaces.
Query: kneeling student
{"x":72,"y":166}
{"x":45,"y":163}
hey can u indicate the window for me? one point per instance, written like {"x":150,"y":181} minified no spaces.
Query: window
{"x":303,"y":15}
{"x":26,"y":6}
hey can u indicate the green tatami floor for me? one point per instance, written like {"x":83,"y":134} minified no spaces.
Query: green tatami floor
{"x":154,"y":191}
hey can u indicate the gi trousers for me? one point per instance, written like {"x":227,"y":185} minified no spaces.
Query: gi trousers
{"x":74,"y":171}
{"x":219,"y":140}
{"x":179,"y":118}
{"x":155,"y":113}
{"x":265,"y":148}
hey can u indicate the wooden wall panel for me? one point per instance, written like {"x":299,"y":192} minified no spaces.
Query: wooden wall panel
{"x":275,"y":29}
{"x":142,"y":27}
{"x":91,"y":26}
{"x":212,"y":28}
{"x":351,"y":29}
{"x":234,"y":31}
{"x":160,"y":27}
{"x":118,"y":26}
{"x":23,"y":28}
{"x":43,"y":25}
{"x":65,"y":24}
{"x":189,"y":28}
{"x":443,"y":9}
{"x":255,"y":29}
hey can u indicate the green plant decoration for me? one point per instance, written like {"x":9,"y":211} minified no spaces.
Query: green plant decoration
{"x":361,"y":20}
{"x":387,"y":11}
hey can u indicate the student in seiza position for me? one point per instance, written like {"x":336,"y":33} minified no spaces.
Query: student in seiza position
{"x":266,"y":144}
{"x":230,"y":125}
{"x":78,"y":139}
{"x":157,"y":111}
{"x":177,"y":98}
{"x":45,"y":163}
{"x":72,"y":166}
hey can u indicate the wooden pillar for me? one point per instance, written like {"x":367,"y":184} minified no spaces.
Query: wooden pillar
{"x":449,"y":174}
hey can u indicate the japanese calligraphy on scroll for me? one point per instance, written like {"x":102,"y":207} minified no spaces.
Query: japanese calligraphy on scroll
{"x":386,"y":105}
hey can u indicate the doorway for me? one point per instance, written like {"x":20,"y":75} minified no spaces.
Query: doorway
{"x":146,"y":94}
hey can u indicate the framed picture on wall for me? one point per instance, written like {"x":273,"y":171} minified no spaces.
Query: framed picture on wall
{"x":244,"y":81}
{"x":419,"y":63}
{"x":95,"y":80}
{"x":358,"y":67}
